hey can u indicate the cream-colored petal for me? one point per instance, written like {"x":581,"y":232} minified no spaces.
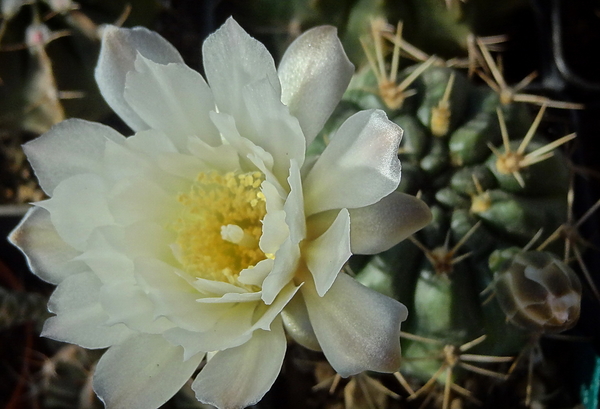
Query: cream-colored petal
{"x":232,"y":298}
{"x":120,"y":47}
{"x":80,"y":317}
{"x":297,"y":323}
{"x":357,"y":328}
{"x":142,"y":373}
{"x":222,"y":158}
{"x":257,"y":274}
{"x":284,"y":267}
{"x":212,"y":288}
{"x":326,"y":255}
{"x":257,"y":364}
{"x":172,"y":98}
{"x":108,"y":262}
{"x":48,"y":256}
{"x":314,"y":74}
{"x":174,"y":298}
{"x":268,"y":313}
{"x":231,"y":330}
{"x":267,"y":123}
{"x":130,"y":305}
{"x":359,"y":166}
{"x":378,"y":227}
{"x":140,"y":199}
{"x":244,"y":147}
{"x":71,"y":147}
{"x":233,"y":59}
{"x":79,"y":206}
{"x":294,"y":205}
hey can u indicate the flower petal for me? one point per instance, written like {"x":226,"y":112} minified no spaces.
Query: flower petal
{"x":326,"y":255}
{"x":359,"y":166}
{"x":223,"y":158}
{"x":130,"y":305}
{"x":80,"y":318}
{"x":120,"y":47}
{"x":270,"y":125}
{"x":378,"y":227}
{"x":48,"y":256}
{"x":233,"y":59}
{"x":297,"y":323}
{"x":284,"y":267}
{"x":72,"y":147}
{"x":231,"y":330}
{"x":294,"y":205}
{"x":78,"y":207}
{"x":172,"y":98}
{"x":256,"y":366}
{"x":141,"y":199}
{"x":142,"y":373}
{"x":314,"y":73}
{"x":357,"y":328}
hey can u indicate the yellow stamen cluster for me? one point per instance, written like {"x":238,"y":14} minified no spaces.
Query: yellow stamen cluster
{"x":221,"y":224}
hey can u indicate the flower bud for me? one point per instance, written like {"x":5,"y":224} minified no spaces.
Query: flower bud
{"x":538,"y":292}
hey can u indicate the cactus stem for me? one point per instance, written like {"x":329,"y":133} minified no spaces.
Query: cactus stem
{"x":452,"y":356}
{"x":442,"y":258}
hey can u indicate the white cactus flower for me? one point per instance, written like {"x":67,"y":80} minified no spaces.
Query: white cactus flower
{"x":208,"y":232}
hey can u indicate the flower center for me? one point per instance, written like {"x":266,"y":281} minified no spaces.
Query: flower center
{"x":220,"y":226}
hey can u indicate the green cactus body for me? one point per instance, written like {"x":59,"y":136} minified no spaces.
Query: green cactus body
{"x":456,"y":176}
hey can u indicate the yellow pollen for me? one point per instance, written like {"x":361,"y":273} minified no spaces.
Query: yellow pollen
{"x":220,"y":226}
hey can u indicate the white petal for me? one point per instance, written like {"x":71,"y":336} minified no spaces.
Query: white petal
{"x":232,"y":298}
{"x":174,"y":298}
{"x":108,"y":262}
{"x":48,"y":256}
{"x":257,"y":274}
{"x":231,"y":330}
{"x":297,"y":323}
{"x":314,"y":73}
{"x":357,"y":328}
{"x":267,"y":313}
{"x":326,"y":255}
{"x":72,"y":147}
{"x":172,"y":98}
{"x":130,"y":305}
{"x":244,"y":147}
{"x":142,"y":373}
{"x":275,"y":230}
{"x":80,"y":317}
{"x":284,"y":267}
{"x":378,"y":227}
{"x":233,"y":59}
{"x":222,"y":158}
{"x":294,"y":205}
{"x":140,"y":199}
{"x":216,"y":288}
{"x":359,"y":166}
{"x":240,"y":377}
{"x":120,"y":47}
{"x":268,"y":123}
{"x":78,"y":207}
{"x":151,"y":142}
